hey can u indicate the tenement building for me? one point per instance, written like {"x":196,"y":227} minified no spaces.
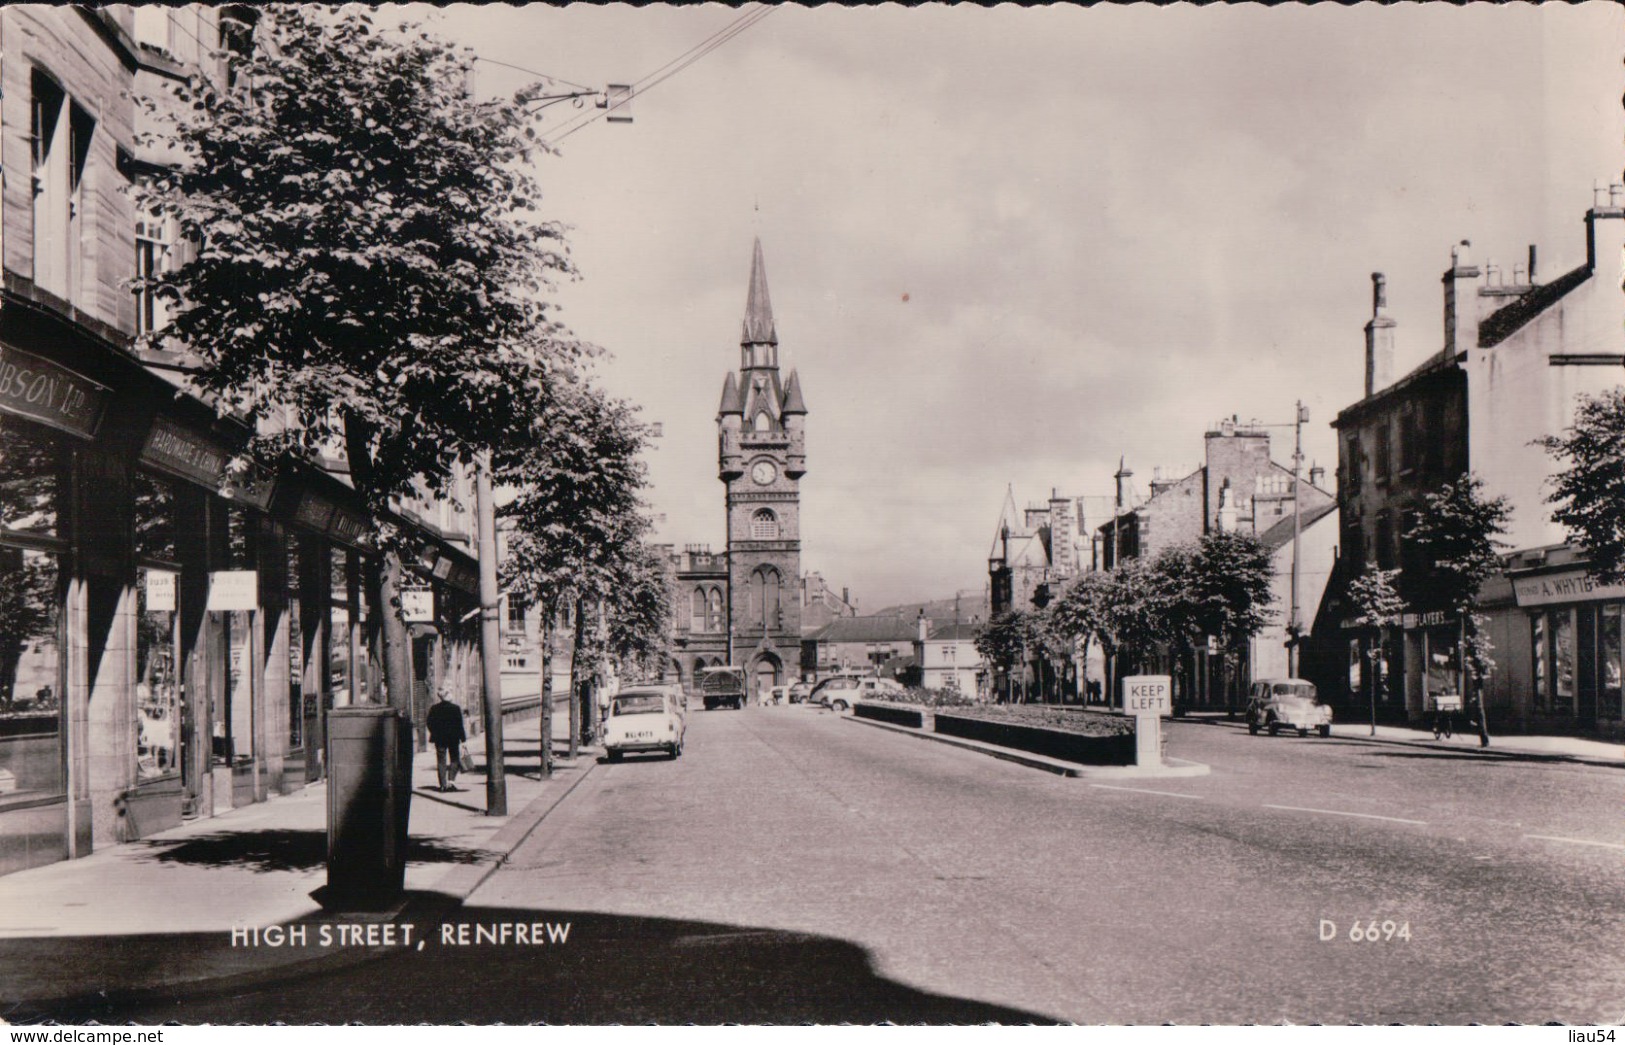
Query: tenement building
{"x":1516,"y":355}
{"x":171,"y":632}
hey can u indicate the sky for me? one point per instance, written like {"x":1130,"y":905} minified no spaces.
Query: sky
{"x":1008,"y":247}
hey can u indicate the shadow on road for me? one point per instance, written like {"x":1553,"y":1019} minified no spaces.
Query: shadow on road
{"x":279,"y":849}
{"x":609,"y":970}
{"x":1490,"y":755}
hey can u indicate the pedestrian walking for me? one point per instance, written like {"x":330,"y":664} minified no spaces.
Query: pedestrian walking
{"x":446,"y":732}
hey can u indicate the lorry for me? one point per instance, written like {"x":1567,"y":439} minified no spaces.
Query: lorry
{"x":723,"y":686}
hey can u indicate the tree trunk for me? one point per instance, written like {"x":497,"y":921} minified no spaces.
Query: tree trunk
{"x":383,"y":584}
{"x":397,"y":644}
{"x":575,"y":682}
{"x":544,"y":645}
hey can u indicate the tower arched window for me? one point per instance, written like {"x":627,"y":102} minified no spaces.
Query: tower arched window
{"x":763,"y":422}
{"x":764,"y":525}
{"x":766,"y":594}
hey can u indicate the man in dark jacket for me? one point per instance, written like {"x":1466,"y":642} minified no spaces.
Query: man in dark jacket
{"x":446,"y":732}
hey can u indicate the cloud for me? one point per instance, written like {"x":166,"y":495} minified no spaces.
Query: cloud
{"x":1113,"y":225}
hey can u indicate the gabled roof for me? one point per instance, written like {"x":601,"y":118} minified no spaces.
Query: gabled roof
{"x":868,"y":629}
{"x":792,"y":396}
{"x":1505,"y":321}
{"x":758,"y":329}
{"x":732,"y":401}
{"x":953,"y":632}
{"x":1431,"y":367}
{"x":1280,"y":534}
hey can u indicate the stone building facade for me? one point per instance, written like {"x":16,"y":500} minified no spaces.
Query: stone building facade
{"x":172,"y":634}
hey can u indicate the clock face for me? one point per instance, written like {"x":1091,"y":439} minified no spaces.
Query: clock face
{"x":763,"y":472}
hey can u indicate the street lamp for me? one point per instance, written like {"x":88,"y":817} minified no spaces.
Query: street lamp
{"x":616,"y":99}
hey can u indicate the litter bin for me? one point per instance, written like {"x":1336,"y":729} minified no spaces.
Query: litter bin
{"x":369,"y":793}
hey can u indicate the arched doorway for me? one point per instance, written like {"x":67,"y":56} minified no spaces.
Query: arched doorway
{"x":764,"y":675}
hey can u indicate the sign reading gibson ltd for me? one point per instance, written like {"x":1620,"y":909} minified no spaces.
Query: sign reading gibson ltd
{"x":42,"y":391}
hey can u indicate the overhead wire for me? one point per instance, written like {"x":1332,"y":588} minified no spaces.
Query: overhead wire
{"x":673,"y":67}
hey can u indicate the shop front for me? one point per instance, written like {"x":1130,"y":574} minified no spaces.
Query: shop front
{"x":1567,"y":664}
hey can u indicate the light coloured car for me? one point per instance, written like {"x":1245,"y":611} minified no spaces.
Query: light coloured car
{"x":645,"y":719}
{"x":840,"y":692}
{"x":1277,"y":704}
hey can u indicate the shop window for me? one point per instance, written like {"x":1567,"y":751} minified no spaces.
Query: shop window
{"x":341,"y":636}
{"x":31,"y":764}
{"x":30,"y":480}
{"x":1608,"y":662}
{"x":1537,"y":669}
{"x":234,"y":703}
{"x":1562,"y":661}
{"x":157,"y":667}
{"x":154,"y":517}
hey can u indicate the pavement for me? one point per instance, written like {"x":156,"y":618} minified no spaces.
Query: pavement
{"x":1465,"y":740}
{"x":226,"y":899}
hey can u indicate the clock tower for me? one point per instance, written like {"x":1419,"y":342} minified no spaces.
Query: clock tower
{"x":761,"y":459}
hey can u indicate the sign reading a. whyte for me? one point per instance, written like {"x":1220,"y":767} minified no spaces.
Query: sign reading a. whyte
{"x":1568,"y":586}
{"x":38,"y":389}
{"x":1148,"y":695}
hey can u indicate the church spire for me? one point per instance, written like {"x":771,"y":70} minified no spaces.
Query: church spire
{"x":758,"y":309}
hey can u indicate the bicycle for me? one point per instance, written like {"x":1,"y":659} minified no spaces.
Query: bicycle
{"x":1445,"y":706}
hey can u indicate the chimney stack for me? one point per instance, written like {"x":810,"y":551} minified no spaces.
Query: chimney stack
{"x":1531,"y":264}
{"x":1316,"y":474}
{"x":1460,"y":302}
{"x":1379,"y":339}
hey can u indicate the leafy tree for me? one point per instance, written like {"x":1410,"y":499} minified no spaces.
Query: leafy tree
{"x":1078,"y":617}
{"x":1380,"y":607}
{"x":577,"y":518}
{"x":1219,"y":586}
{"x":1453,"y":542}
{"x":1005,"y":639}
{"x":370,"y":274}
{"x":1590,"y":492}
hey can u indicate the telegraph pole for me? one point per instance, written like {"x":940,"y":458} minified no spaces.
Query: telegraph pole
{"x":1294,"y":626}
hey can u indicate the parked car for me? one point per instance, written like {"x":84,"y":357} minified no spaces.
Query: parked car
{"x":798,"y":692}
{"x":840,"y":692}
{"x":1274,"y":704}
{"x":645,"y":719}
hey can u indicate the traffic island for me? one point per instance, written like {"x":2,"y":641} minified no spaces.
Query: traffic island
{"x":910,"y":715}
{"x":1070,"y":742}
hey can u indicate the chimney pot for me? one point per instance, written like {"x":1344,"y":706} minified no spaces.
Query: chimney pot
{"x":1531,"y":264}
{"x":1379,"y":292}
